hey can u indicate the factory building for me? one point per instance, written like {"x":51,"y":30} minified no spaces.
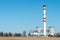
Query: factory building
{"x":51,"y":31}
{"x":43,"y":31}
{"x":37,"y":32}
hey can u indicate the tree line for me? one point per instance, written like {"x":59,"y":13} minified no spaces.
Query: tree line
{"x":2,"y":34}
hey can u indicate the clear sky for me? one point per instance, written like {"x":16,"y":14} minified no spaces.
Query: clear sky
{"x":25,"y":15}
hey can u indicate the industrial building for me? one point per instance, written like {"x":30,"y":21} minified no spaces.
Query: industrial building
{"x":39,"y":31}
{"x":51,"y":31}
{"x":43,"y":31}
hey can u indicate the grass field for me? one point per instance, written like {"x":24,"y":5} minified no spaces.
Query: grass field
{"x":29,"y":38}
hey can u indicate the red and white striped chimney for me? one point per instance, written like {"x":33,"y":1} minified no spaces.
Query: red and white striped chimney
{"x":44,"y":19}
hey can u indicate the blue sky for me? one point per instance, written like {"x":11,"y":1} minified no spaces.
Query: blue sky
{"x":25,"y":15}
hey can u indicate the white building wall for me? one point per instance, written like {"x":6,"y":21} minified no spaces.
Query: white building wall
{"x":51,"y":31}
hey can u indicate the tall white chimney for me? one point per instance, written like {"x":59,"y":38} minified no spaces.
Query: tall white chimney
{"x":44,"y":19}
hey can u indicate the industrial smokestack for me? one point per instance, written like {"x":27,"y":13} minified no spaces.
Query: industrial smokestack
{"x":44,"y":19}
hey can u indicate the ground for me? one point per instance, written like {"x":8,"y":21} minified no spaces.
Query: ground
{"x":29,"y":38}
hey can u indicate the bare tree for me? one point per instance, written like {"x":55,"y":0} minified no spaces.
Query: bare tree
{"x":1,"y":34}
{"x":57,"y":35}
{"x":10,"y":34}
{"x":29,"y":34}
{"x":17,"y":35}
{"x":24,"y":34}
{"x":6,"y":34}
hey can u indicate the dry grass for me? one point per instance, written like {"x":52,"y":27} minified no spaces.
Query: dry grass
{"x":29,"y":38}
